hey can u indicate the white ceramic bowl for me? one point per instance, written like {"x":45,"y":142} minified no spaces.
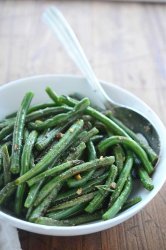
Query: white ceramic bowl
{"x":10,"y":97}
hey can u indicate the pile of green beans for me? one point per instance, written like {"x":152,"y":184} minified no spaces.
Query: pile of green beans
{"x":64,"y":163}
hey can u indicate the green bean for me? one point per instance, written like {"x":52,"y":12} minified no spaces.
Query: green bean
{"x":40,"y":143}
{"x":76,"y":192}
{"x":130,"y":143}
{"x":50,"y":222}
{"x":27,"y":151}
{"x":62,"y":118}
{"x":28,"y":213}
{"x":85,"y":218}
{"x":33,"y":192}
{"x":79,"y":200}
{"x":119,"y":156}
{"x":19,"y":198}
{"x":1,"y":160}
{"x":6,"y":164}
{"x":91,"y":151}
{"x":92,"y":156}
{"x":95,"y":114}
{"x":104,"y":162}
{"x":72,"y":182}
{"x":97,"y":138}
{"x":145,"y":145}
{"x":43,"y":206}
{"x":53,"y":171}
{"x":41,"y":113}
{"x":98,"y":173}
{"x":76,"y":153}
{"x":7,"y":144}
{"x":48,"y":136}
{"x":131,"y":202}
{"x":12,"y":115}
{"x":118,"y":204}
{"x":53,"y":153}
{"x":63,"y":99}
{"x":25,"y":135}
{"x":8,"y":139}
{"x":32,"y":161}
{"x":85,"y":136}
{"x":66,"y":213}
{"x":145,"y":179}
{"x":18,"y":133}
{"x":40,"y":154}
{"x":6,"y":130}
{"x":126,"y":171}
{"x":41,"y":106}
{"x":1,"y":180}
{"x":25,"y":166}
{"x":98,"y":199}
{"x":7,"y":191}
{"x":6,"y":122}
{"x":52,"y":95}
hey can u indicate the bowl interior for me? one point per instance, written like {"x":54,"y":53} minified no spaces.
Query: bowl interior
{"x":10,"y":97}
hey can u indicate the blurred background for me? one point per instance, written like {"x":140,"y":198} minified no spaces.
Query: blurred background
{"x":125,"y":43}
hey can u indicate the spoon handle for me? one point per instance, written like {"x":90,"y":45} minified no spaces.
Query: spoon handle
{"x":60,"y":26}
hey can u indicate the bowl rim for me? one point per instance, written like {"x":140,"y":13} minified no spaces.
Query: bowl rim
{"x":101,"y":225}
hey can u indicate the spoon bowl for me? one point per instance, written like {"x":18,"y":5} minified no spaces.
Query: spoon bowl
{"x":139,"y":124}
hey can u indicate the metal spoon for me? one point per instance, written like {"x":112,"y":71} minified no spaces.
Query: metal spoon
{"x":128,"y":116}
